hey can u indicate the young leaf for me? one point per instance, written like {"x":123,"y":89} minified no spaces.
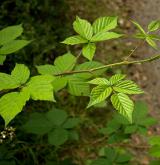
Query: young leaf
{"x":123,"y":104}
{"x":99,"y":81}
{"x":56,"y":116}
{"x":88,"y":51}
{"x":83,"y":27}
{"x":2,"y":59}
{"x":102,"y":36}
{"x":139,"y":27}
{"x":59,"y":83}
{"x":78,"y":86}
{"x":40,"y":87}
{"x":37,"y":124}
{"x":116,"y":78}
{"x":153,"y":26}
{"x":10,"y":33}
{"x":128,"y":87}
{"x":99,"y":94}
{"x":74,"y":40}
{"x":21,"y":73}
{"x":151,"y":42}
{"x":104,"y":24}
{"x":47,"y":69}
{"x":58,"y":137}
{"x":13,"y":46}
{"x":11,"y":104}
{"x":7,"y":82}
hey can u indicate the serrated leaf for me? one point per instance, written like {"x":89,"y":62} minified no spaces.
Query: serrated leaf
{"x":11,"y":104}
{"x":88,"y":51}
{"x":13,"y":46}
{"x":99,"y":94}
{"x":123,"y":104}
{"x":128,"y":87}
{"x":58,"y":137}
{"x":139,"y":27}
{"x":89,"y":65}
{"x":151,"y":42}
{"x":21,"y":73}
{"x":37,"y":124}
{"x":78,"y":86}
{"x":116,"y":78}
{"x":56,"y":116}
{"x":40,"y":87}
{"x":153,"y":26}
{"x":83,"y":27}
{"x":2,"y":59}
{"x":10,"y":33}
{"x":71,"y":123}
{"x":74,"y":40}
{"x":104,"y":24}
{"x":102,"y":36}
{"x":7,"y":82}
{"x":99,"y":81}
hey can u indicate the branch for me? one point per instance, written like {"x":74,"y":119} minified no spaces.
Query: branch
{"x":156,"y":57}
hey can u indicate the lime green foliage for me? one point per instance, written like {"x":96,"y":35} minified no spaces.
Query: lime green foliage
{"x":121,"y":102}
{"x":108,"y":156}
{"x":147,"y":36}
{"x":8,"y":41}
{"x":89,"y":34}
{"x":56,"y":124}
{"x":154,"y":141}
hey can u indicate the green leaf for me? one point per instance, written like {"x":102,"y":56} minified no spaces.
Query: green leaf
{"x":116,"y":78}
{"x":128,"y":87}
{"x":65,"y":62}
{"x":58,"y":137}
{"x":71,"y":123}
{"x":151,"y":42}
{"x":59,"y":83}
{"x":47,"y":69}
{"x":153,"y":26}
{"x":7,"y":82}
{"x":74,"y":40}
{"x":83,"y":27}
{"x":123,"y":104}
{"x":78,"y":86}
{"x":155,"y":151}
{"x":99,"y":81}
{"x":130,"y":129}
{"x":154,"y":140}
{"x":89,"y":65}
{"x":40,"y":87}
{"x":56,"y":116}
{"x":2,"y":59}
{"x":139,"y":27}
{"x":21,"y":73}
{"x":11,"y":104}
{"x":102,"y":36}
{"x":154,"y":37}
{"x":104,"y":24}
{"x":99,"y":94}
{"x":88,"y":51}
{"x":10,"y":33}
{"x":37,"y":124}
{"x":13,"y":46}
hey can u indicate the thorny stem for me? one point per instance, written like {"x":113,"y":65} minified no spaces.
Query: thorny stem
{"x":156,"y":57}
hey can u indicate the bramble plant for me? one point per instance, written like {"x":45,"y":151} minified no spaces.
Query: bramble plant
{"x":66,"y":71}
{"x":84,"y":79}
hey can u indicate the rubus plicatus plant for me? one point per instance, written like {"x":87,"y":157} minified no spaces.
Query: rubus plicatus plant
{"x":18,"y":87}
